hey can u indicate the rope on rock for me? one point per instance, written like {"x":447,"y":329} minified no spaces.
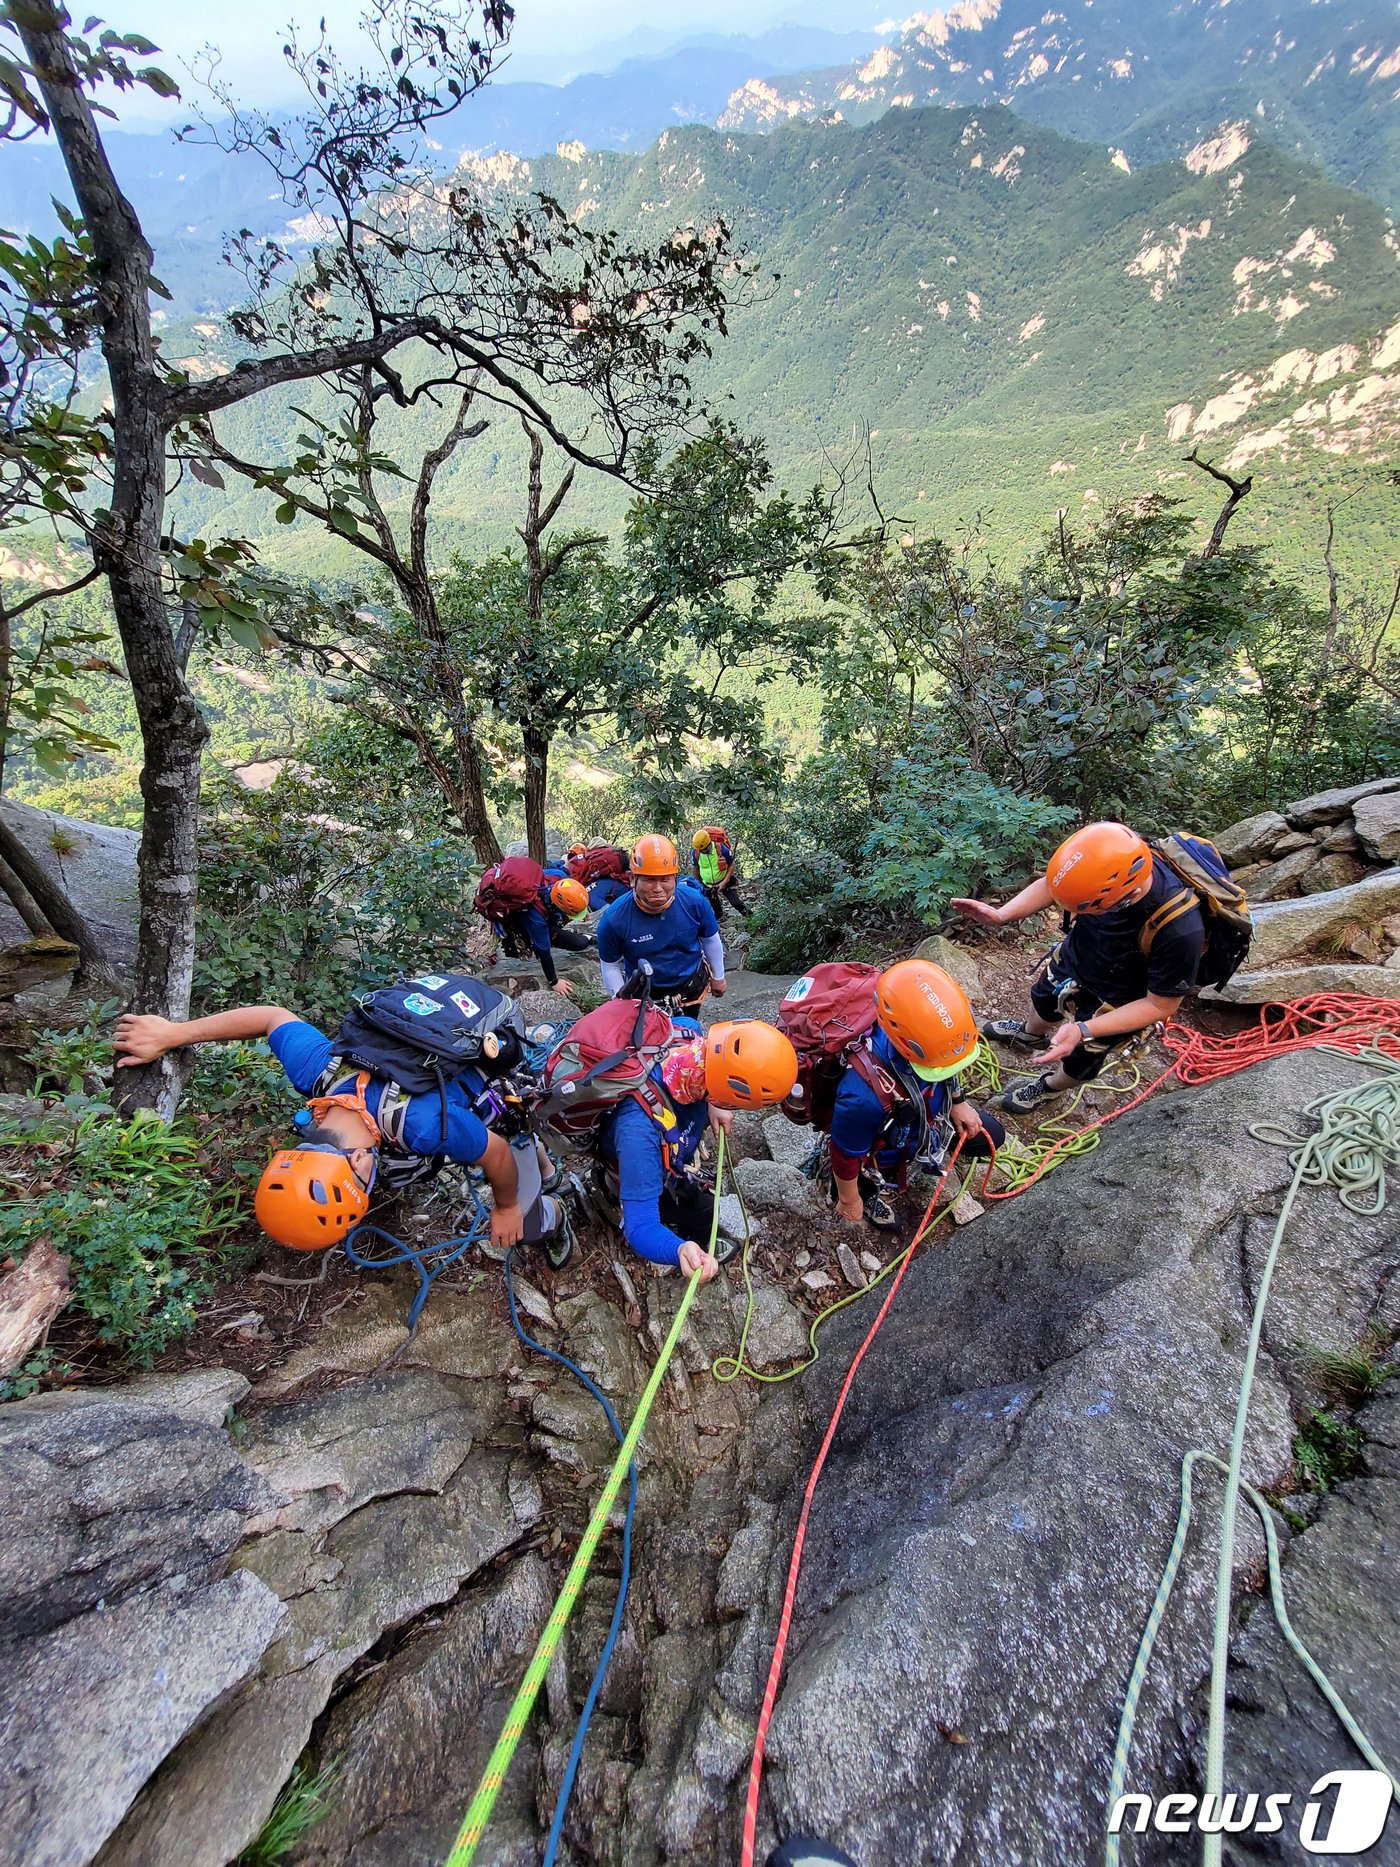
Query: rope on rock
{"x":1350,"y":1022}
{"x":770,"y":1691}
{"x":728,"y":1368}
{"x":494,"y":1775}
{"x":1357,"y":1138}
{"x":600,"y":1671}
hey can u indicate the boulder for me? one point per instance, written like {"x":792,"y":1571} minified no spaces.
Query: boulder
{"x":1282,"y":878}
{"x":1328,"y":807}
{"x":555,"y":846}
{"x":109,"y":1489}
{"x":1341,"y":840}
{"x":1337,"y":870}
{"x":1282,"y":987}
{"x":1252,"y":838}
{"x":777,"y":1332}
{"x":770,"y":1186}
{"x":1294,"y":840}
{"x":955,"y":960}
{"x":92,"y":1708}
{"x":98,"y":872}
{"x":787,"y":1141}
{"x":1287,"y":927}
{"x":403,"y":1430}
{"x":1377,"y":820}
{"x":1063,"y":1356}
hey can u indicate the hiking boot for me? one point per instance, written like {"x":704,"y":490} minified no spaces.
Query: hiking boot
{"x":726,"y":1248}
{"x":559,"y":1244}
{"x":1025,"y":1097}
{"x":1010,"y":1031}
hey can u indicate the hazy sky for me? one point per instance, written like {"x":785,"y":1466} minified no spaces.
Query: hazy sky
{"x":249,"y":33}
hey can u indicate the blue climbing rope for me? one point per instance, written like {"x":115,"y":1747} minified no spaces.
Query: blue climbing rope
{"x":430,"y":1261}
{"x":566,"y":1787}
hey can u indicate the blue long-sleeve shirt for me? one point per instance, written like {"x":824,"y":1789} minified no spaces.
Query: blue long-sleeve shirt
{"x":636,"y":1143}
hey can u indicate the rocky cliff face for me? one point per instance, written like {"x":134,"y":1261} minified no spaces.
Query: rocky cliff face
{"x":364,"y":1562}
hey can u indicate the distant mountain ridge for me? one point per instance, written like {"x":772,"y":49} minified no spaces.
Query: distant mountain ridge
{"x":1320,"y":78}
{"x":1022,"y":320}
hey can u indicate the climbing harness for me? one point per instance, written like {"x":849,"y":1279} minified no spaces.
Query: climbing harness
{"x":1357,"y":1138}
{"x":494,"y":1775}
{"x":770,"y":1691}
{"x":600,"y":1671}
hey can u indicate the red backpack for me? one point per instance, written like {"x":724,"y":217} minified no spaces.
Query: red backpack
{"x":828,"y":1014}
{"x":598,"y":865}
{"x":508,"y":886}
{"x":607,"y":1056}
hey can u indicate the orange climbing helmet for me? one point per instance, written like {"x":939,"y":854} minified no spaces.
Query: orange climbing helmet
{"x":748,"y":1064}
{"x":309,"y":1197}
{"x":655,"y":855}
{"x":926,"y":1016}
{"x":1097,"y":868}
{"x":569,"y":897}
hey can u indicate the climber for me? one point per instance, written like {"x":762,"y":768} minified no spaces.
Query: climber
{"x":665,"y":1207}
{"x":672,"y":930}
{"x":542,"y":925}
{"x":1120,"y":967}
{"x":359,"y":1127}
{"x":899,"y":1098}
{"x":716,"y":868}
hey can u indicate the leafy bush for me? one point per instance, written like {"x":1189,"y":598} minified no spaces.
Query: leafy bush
{"x":295,"y":908}
{"x":1326,"y":1450}
{"x":130,"y":1207}
{"x":855,"y":865}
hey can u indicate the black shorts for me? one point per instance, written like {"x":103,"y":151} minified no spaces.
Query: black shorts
{"x":1055,"y":994}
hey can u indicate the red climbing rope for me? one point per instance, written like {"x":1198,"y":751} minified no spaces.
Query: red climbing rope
{"x":770,"y":1691}
{"x":1341,"y":1020}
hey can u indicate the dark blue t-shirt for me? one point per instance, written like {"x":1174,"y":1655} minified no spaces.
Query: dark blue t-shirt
{"x":304,"y":1052}
{"x":602,"y":893}
{"x":669,"y":941}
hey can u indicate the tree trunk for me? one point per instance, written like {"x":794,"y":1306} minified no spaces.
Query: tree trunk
{"x":30,"y":1298}
{"x":173,"y":733}
{"x":24,"y":903}
{"x":49,"y":900}
{"x":536,"y":787}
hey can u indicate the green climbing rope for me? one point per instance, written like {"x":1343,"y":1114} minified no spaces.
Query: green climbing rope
{"x":1356,"y":1139}
{"x":727,"y":1368}
{"x":494,"y":1775}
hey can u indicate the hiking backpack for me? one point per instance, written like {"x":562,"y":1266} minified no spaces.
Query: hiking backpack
{"x":418,"y":1036}
{"x":1206,"y":883}
{"x":828,"y":1015}
{"x":507,"y":886}
{"x":598,"y":865}
{"x":600,"y":1061}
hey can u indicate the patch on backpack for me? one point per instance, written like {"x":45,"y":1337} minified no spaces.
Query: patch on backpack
{"x":798,"y":991}
{"x":433,"y":980}
{"x":421,"y":1005}
{"x":467,"y":1006}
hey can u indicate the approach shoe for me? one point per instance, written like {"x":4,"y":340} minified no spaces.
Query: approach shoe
{"x":559,"y":1244}
{"x":1024,"y":1098}
{"x":1010,"y":1031}
{"x":880,"y":1213}
{"x":726,"y":1248}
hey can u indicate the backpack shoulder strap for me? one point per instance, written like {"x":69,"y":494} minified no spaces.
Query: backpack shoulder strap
{"x":883,"y":1083}
{"x":1170,"y":910}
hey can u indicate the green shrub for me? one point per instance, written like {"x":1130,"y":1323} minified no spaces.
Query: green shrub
{"x":132,"y":1209}
{"x":294,"y":909}
{"x":1326,"y":1450}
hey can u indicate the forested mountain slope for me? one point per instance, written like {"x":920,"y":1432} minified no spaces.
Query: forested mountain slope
{"x":1019,"y":318}
{"x":1320,"y":78}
